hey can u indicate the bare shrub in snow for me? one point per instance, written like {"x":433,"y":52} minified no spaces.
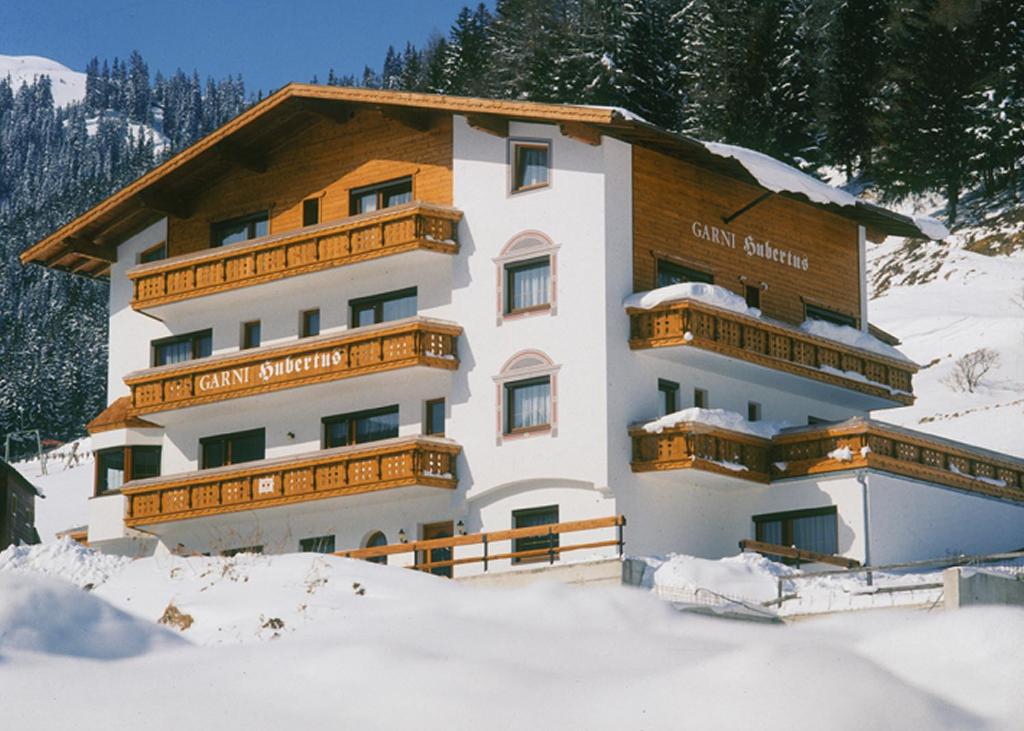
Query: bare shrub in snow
{"x":174,"y":617}
{"x":971,"y":368}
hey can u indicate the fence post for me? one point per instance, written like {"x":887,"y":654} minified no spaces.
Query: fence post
{"x":485,"y":552}
{"x":551,"y":546}
{"x":620,"y":525}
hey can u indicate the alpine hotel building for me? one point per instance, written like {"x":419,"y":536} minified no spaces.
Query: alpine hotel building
{"x":353,"y":318}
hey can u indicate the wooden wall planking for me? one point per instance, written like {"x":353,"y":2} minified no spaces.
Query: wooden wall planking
{"x":325,"y":160}
{"x":669,"y":195}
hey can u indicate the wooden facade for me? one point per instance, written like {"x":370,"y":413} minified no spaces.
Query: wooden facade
{"x":404,"y":344}
{"x":680,"y":214}
{"x":17,"y":508}
{"x":324,"y":160}
{"x":353,"y":239}
{"x":425,"y":461}
{"x":859,"y":444}
{"x":698,"y":325}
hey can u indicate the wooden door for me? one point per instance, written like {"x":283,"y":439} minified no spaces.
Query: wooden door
{"x":444,"y":529}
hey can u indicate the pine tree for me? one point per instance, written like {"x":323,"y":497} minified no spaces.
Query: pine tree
{"x":466,"y":58}
{"x":391,"y":73}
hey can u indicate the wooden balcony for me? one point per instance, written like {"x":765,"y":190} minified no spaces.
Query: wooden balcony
{"x":402,"y":344}
{"x":698,"y":446}
{"x":854,"y":444}
{"x":414,"y":226}
{"x":861,"y":443}
{"x":697,"y":325}
{"x":424,"y":461}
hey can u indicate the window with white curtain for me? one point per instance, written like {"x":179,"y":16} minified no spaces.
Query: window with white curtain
{"x":529,"y":165}
{"x":528,"y":405}
{"x":528,"y":285}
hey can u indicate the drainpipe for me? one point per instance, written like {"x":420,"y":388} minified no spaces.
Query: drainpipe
{"x":862,"y":478}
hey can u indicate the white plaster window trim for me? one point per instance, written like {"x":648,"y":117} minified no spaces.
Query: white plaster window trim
{"x":510,"y":374}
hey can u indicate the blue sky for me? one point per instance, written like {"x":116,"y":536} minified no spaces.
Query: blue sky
{"x":269,"y":43}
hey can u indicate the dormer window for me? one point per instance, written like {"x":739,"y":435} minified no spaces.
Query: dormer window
{"x":383,"y":195}
{"x":251,"y":226}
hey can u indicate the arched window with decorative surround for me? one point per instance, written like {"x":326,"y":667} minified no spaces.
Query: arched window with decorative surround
{"x":527,"y":396}
{"x":527,"y":277}
{"x":375,"y":540}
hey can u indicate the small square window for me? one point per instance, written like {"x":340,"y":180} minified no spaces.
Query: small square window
{"x":317,"y":544}
{"x":154,"y":253}
{"x":251,"y":335}
{"x":530,"y":167}
{"x":310,"y":324}
{"x":753,"y":296}
{"x":753,"y":411}
{"x":310,"y":211}
{"x":528,"y":285}
{"x":669,"y":396}
{"x":700,"y":398}
{"x":528,"y":405}
{"x":434,"y":417}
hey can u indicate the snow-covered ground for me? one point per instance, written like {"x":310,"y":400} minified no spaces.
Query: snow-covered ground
{"x":66,"y":486}
{"x":969,"y":301}
{"x":68,"y":86}
{"x":302,"y":640}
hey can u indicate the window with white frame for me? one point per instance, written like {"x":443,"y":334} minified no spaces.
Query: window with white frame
{"x":527,"y":277}
{"x":527,"y":396}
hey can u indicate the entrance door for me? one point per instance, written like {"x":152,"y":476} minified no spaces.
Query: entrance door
{"x":429,"y":531}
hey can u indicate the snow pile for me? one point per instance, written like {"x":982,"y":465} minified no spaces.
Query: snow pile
{"x":299,"y":640}
{"x":709,"y":294}
{"x":852,"y":337}
{"x":67,"y":85}
{"x":719,"y":418}
{"x":64,"y":559}
{"x":748,"y":577}
{"x":779,"y":177}
{"x":842,"y":454}
{"x":42,"y":615}
{"x":67,"y":486}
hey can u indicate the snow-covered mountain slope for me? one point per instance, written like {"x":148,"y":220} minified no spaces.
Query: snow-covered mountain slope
{"x":68,"y":86}
{"x":947,"y":299}
{"x":291,"y":641}
{"x":66,"y":484}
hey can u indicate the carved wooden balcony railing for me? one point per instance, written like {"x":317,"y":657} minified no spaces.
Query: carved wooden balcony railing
{"x":402,"y":344}
{"x":402,"y":462}
{"x":855,"y":444}
{"x":698,"y":325}
{"x":698,"y":446}
{"x":862,"y":443}
{"x":358,"y":238}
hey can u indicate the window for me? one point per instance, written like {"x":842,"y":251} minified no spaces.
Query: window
{"x":528,"y":405}
{"x":310,"y":324}
{"x":383,"y":307}
{"x":813,"y":312}
{"x":753,"y":296}
{"x":530,"y":518}
{"x":668,"y":392}
{"x":246,"y":549}
{"x":814,"y":420}
{"x":377,"y":539}
{"x":672,"y":273}
{"x":317,"y":544}
{"x":384,"y":195}
{"x":154,"y":253}
{"x":360,"y":427}
{"x":529,"y":165}
{"x":434,"y":417}
{"x":310,"y":211}
{"x":109,"y":469}
{"x":118,"y":465}
{"x":700,"y":398}
{"x":225,"y":449}
{"x":240,"y":229}
{"x":251,"y":334}
{"x":181,"y":348}
{"x":809,"y":530}
{"x":528,"y":285}
{"x":753,"y":411}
